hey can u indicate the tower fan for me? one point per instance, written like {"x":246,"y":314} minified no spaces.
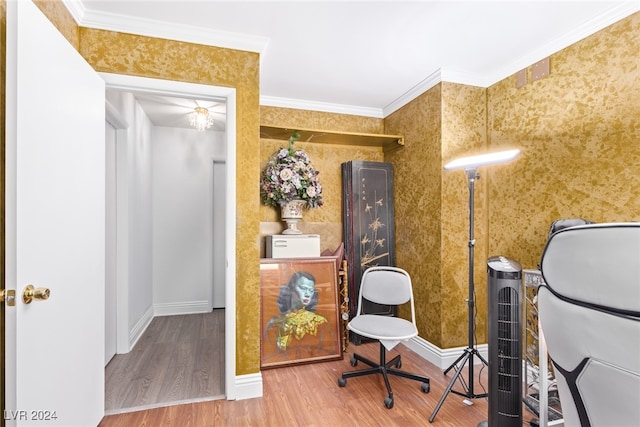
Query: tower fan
{"x":505,"y":298}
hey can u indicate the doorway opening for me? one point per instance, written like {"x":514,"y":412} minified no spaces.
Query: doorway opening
{"x":132,"y":318}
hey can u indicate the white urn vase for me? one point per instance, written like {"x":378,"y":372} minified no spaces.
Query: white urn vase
{"x":291,"y":213}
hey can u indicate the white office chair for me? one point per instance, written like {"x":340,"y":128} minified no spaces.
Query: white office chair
{"x":589,"y":310}
{"x":386,"y":286}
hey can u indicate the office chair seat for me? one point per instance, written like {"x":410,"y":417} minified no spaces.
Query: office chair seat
{"x":383,"y":328}
{"x":387,"y":286}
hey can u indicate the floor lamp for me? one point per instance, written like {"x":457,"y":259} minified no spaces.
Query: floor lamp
{"x":470,"y":166}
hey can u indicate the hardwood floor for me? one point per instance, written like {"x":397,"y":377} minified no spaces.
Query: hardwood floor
{"x":309,"y":395}
{"x":178,"y":359}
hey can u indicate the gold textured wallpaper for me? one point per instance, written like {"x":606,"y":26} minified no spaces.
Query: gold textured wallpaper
{"x":288,"y":117}
{"x":113,"y":52}
{"x":463,"y":134}
{"x":326,"y":220}
{"x":446,"y":122}
{"x":418,"y":205}
{"x":578,"y":130}
{"x":61,"y":19}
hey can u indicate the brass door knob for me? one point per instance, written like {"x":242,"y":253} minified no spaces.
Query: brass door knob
{"x":32,"y":293}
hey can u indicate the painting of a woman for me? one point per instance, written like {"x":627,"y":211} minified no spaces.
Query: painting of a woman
{"x":299,"y":311}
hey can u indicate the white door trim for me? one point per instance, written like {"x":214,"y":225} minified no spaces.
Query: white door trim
{"x":123,"y":343}
{"x":110,"y":317}
{"x":216,"y":291}
{"x":182,"y":89}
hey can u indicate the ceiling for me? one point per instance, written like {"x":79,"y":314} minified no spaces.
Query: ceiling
{"x":170,"y":111}
{"x":365,"y":57}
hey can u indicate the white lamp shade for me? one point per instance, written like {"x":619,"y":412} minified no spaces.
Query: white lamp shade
{"x":473,"y":162}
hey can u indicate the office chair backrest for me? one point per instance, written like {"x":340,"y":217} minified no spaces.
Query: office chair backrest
{"x":589,"y":310}
{"x":386,"y":285}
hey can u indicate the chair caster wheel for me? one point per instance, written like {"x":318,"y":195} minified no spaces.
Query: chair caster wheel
{"x":399,"y":364}
{"x":425,"y":387}
{"x":388,"y":402}
{"x":354,"y":361}
{"x":342,"y":382}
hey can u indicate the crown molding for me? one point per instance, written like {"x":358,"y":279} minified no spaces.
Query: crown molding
{"x":164,"y":30}
{"x":441,"y":75}
{"x":75,"y":8}
{"x":612,"y":16}
{"x":300,"y":104}
{"x":447,"y":75}
{"x":426,"y":84}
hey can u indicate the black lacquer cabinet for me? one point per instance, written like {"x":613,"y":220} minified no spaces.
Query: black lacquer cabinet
{"x":368,"y":221}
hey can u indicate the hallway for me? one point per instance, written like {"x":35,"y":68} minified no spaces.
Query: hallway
{"x":178,"y":359}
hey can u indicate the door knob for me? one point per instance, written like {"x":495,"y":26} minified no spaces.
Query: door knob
{"x":32,"y":293}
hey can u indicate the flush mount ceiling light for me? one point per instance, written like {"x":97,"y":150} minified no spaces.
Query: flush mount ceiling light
{"x":201,"y":119}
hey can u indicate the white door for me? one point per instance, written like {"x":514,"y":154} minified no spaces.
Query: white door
{"x":219,"y":258}
{"x":55,"y":216}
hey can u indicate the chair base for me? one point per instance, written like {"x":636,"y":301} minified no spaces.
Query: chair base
{"x":385,"y":369}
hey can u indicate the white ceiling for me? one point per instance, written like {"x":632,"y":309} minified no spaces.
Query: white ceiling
{"x":365,"y":57}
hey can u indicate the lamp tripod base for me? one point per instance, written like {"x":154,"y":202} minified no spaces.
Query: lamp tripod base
{"x":465,"y":358}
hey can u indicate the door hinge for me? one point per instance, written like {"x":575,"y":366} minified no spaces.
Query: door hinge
{"x":8,"y":295}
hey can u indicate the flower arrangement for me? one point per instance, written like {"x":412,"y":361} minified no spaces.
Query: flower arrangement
{"x":289,"y":175}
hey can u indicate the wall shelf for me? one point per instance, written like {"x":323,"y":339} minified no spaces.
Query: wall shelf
{"x":387,"y":142}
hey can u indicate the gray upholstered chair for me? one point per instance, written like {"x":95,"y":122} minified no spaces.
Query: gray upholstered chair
{"x":589,"y":310}
{"x":386,"y":286}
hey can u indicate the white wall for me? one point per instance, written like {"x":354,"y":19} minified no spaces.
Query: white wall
{"x":182,"y":163}
{"x":164,"y":189}
{"x":140,"y":255}
{"x":134,"y":219}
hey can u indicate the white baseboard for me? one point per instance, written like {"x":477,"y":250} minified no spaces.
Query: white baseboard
{"x":248,"y":386}
{"x":169,"y":309}
{"x":140,"y":326}
{"x":439,"y":357}
{"x":188,"y":307}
